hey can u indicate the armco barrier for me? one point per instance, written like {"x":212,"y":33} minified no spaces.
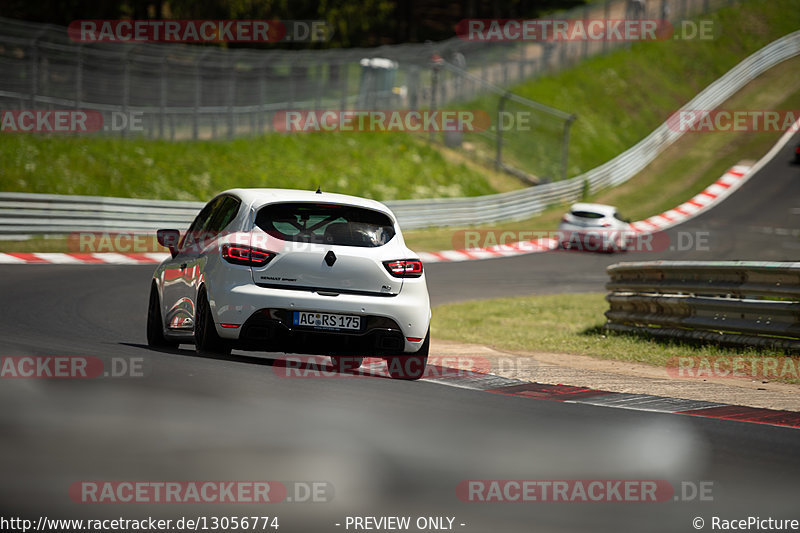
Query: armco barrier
{"x":741,"y":303}
{"x":25,"y":214}
{"x":530,"y":201}
{"x":22,"y":214}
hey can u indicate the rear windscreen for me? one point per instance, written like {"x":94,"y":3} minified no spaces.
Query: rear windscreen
{"x":587,"y":214}
{"x":341,"y":225}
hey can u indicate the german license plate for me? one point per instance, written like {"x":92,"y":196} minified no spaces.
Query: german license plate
{"x":326,"y":321}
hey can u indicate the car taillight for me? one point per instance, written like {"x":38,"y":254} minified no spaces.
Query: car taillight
{"x":605,"y":225}
{"x":245,"y":255}
{"x":404,"y":268}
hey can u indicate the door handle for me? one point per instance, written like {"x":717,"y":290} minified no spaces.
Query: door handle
{"x":183,"y":266}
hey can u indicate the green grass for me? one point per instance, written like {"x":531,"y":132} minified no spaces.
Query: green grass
{"x":683,"y":170}
{"x":383,"y":166}
{"x":621,"y":97}
{"x":563,"y":323}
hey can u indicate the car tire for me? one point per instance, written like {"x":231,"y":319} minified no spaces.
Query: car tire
{"x":206,"y":339}
{"x":346,"y":363}
{"x":155,"y":326}
{"x":412,"y":366}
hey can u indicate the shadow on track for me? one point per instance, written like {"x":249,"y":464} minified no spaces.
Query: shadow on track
{"x":298,"y":363}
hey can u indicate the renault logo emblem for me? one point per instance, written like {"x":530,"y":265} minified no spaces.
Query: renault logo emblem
{"x":330,"y":258}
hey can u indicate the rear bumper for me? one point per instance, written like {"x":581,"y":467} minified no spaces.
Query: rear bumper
{"x":259,"y":317}
{"x":272,"y":330}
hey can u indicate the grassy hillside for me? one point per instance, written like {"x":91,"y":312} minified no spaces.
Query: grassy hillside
{"x":684,"y":169}
{"x":383,"y":166}
{"x":621,"y":97}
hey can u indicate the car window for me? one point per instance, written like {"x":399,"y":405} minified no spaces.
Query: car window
{"x":341,"y":225}
{"x":199,"y":224}
{"x":587,"y":214}
{"x":222,"y":215}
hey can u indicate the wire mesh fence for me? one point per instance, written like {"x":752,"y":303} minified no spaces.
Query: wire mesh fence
{"x":179,"y":91}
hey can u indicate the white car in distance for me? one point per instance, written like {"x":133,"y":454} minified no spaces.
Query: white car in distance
{"x":282,"y":270}
{"x":594,"y":228}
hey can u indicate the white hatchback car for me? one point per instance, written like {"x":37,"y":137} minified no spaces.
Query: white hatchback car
{"x":594,"y":227}
{"x":293,"y":271}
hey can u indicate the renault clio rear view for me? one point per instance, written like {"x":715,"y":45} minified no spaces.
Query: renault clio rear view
{"x":283,"y":270}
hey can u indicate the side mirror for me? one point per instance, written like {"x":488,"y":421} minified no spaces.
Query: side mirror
{"x":169,"y":238}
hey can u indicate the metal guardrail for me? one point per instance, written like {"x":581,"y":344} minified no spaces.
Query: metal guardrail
{"x":22,"y":214}
{"x":178,"y":92}
{"x":528,"y":202}
{"x":741,"y":303}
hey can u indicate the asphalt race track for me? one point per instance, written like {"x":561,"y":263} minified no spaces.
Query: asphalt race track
{"x":759,"y":222}
{"x":382,"y":447}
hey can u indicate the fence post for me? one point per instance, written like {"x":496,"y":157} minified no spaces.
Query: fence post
{"x":162,"y":97}
{"x":413,"y":84}
{"x":501,"y":104}
{"x":319,"y":85}
{"x":262,"y":88}
{"x":231,"y":97}
{"x":434,"y":88}
{"x":585,"y":48}
{"x":198,"y":83}
{"x":291,"y":87}
{"x":344,"y":72}
{"x":34,"y":69}
{"x":79,"y":77}
{"x":126,"y":86}
{"x":565,"y":146}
